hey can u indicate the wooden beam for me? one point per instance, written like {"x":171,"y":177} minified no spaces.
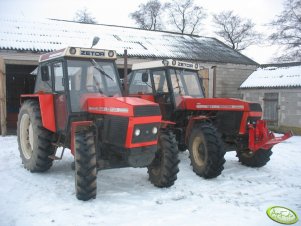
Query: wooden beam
{"x":2,"y":98}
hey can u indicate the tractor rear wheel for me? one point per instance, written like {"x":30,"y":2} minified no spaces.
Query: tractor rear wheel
{"x":85,"y":165}
{"x":164,"y":168}
{"x":206,"y":151}
{"x":254,"y":159}
{"x":34,"y":141}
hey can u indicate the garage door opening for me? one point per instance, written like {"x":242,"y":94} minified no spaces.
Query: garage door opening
{"x":18,"y":81}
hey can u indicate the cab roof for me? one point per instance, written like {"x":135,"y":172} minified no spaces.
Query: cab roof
{"x":78,"y":52}
{"x":167,"y":63}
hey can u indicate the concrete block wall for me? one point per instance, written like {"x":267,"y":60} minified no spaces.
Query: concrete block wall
{"x":289,"y":113}
{"x":230,"y":77}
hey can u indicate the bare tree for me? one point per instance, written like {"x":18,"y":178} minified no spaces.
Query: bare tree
{"x":84,"y":16}
{"x":238,"y":32}
{"x":148,"y":15}
{"x":287,"y":33}
{"x":185,"y":16}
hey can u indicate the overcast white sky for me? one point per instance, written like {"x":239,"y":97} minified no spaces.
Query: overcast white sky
{"x":116,"y":12}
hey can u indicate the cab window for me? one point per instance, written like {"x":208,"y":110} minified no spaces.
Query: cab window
{"x":160,"y":81}
{"x":45,"y":86}
{"x":58,"y":76}
{"x":137,"y":86}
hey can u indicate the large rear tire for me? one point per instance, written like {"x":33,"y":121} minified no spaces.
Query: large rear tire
{"x":34,"y":141}
{"x":85,"y":166}
{"x":206,"y":151}
{"x":164,"y":168}
{"x":182,"y":147}
{"x":257,"y":159}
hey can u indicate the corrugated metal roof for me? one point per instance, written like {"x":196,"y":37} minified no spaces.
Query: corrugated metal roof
{"x":274,"y":77}
{"x":47,"y":35}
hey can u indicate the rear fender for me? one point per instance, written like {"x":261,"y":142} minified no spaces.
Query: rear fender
{"x":191,"y":123}
{"x":46,"y":108}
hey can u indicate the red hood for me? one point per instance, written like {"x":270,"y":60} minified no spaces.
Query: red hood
{"x":226,"y":104}
{"x":122,"y":106}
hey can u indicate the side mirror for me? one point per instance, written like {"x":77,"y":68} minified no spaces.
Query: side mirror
{"x":45,"y":74}
{"x":145,"y":77}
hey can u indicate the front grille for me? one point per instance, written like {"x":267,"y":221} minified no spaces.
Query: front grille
{"x":115,"y":130}
{"x":146,"y":133}
{"x":148,"y":110}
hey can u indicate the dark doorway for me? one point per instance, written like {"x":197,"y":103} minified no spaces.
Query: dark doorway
{"x":271,"y":107}
{"x":121,"y":72}
{"x":18,"y":81}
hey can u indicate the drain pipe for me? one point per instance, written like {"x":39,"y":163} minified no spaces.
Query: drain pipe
{"x":214,"y":81}
{"x":125,"y":72}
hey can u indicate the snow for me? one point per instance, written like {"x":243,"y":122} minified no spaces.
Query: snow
{"x":240,"y":196}
{"x":274,"y":77}
{"x":47,"y":35}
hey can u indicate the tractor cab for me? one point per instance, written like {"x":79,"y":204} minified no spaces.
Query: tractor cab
{"x":73,"y":75}
{"x":166,"y":82}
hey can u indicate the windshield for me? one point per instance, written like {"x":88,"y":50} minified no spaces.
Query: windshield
{"x":90,"y":76}
{"x":185,"y":83}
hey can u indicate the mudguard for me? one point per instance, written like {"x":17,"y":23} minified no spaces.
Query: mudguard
{"x":46,"y":107}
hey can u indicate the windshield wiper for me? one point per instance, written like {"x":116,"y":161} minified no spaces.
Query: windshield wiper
{"x":98,"y":68}
{"x":177,"y":79}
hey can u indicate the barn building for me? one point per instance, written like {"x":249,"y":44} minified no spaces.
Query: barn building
{"x":277,"y":87}
{"x":23,"y":40}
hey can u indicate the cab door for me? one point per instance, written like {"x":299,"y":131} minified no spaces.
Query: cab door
{"x":162,"y":93}
{"x":60,"y":97}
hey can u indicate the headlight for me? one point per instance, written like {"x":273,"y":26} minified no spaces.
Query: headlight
{"x":165,"y":62}
{"x":137,"y":132}
{"x":72,"y":50}
{"x":111,"y":53}
{"x":155,"y":130}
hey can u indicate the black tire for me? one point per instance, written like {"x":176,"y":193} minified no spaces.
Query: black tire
{"x":34,"y":141}
{"x":85,"y":166}
{"x":257,"y":159}
{"x":164,"y":168}
{"x":182,"y":147}
{"x":206,"y":151}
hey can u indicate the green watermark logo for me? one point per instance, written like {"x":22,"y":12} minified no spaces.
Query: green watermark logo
{"x":282,"y":215}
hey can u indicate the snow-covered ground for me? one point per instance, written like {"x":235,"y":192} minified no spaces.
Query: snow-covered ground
{"x":240,"y":196}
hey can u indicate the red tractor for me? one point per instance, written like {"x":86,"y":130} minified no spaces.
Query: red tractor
{"x":78,"y":104}
{"x":208,"y":127}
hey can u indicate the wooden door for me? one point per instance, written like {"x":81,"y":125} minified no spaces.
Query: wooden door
{"x":271,"y":107}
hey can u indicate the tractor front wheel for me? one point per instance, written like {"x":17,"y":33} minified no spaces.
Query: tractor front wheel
{"x":254,"y":159}
{"x":164,"y":168}
{"x":34,"y":140}
{"x":85,"y":165}
{"x":206,"y":151}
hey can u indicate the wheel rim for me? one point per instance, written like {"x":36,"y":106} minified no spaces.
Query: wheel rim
{"x":26,"y":136}
{"x":199,"y":151}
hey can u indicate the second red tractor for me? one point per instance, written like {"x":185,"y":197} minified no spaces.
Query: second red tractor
{"x":207,"y":127}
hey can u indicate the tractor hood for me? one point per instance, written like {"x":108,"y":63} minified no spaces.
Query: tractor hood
{"x":218,"y":104}
{"x":119,"y":106}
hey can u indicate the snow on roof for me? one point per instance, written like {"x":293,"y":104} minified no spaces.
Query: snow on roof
{"x":46,"y":35}
{"x":274,"y":77}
